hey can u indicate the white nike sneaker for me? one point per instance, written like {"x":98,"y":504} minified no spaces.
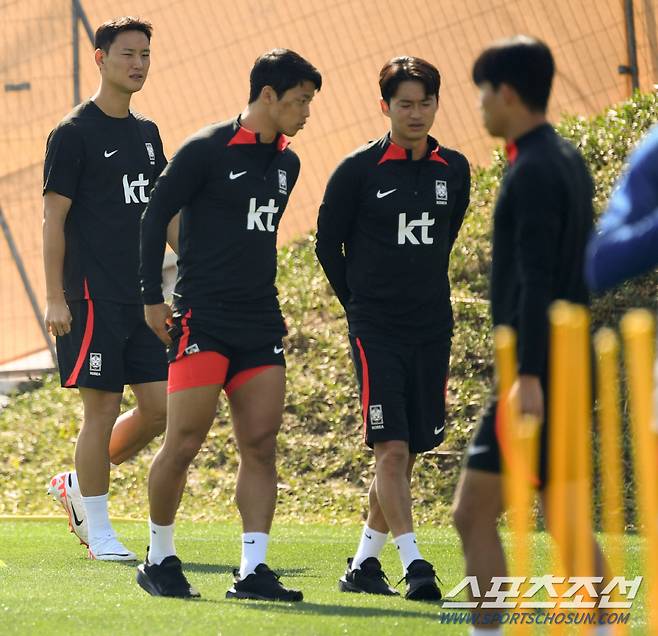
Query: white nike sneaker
{"x":63,"y":490}
{"x":110,"y":549}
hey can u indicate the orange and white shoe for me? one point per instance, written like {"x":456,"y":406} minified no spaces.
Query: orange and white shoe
{"x":110,"y":549}
{"x":63,"y":489}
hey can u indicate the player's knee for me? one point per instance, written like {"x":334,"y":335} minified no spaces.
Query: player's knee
{"x":102,"y":414}
{"x":154,"y":419}
{"x":182,"y":453}
{"x":463,"y":518}
{"x":473,"y":517}
{"x":392,"y":458}
{"x":259,"y":447}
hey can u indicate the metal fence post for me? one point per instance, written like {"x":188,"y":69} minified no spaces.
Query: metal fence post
{"x":631,"y":45}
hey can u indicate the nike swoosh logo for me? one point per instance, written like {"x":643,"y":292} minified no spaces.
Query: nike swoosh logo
{"x":250,"y":542}
{"x":367,"y":535}
{"x":109,"y":154}
{"x":75,"y":517}
{"x":278,"y":349}
{"x":477,"y":450}
{"x":381,"y":195}
{"x":438,"y":430}
{"x":234,"y":175}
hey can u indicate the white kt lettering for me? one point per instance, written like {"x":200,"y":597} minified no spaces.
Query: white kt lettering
{"x":129,"y":189}
{"x":254,"y":221}
{"x":406,"y":230}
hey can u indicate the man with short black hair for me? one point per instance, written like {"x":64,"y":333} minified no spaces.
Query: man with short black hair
{"x":101,"y":162}
{"x":542,"y":219}
{"x":232,"y":181}
{"x":389,"y":218}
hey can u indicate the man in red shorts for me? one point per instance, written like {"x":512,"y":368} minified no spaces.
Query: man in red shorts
{"x":231,"y":182}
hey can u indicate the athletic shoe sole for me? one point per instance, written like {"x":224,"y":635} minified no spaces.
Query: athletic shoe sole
{"x":346,"y":586}
{"x":112,"y":556}
{"x":145,"y":582}
{"x":426,"y":592}
{"x":232,"y":593}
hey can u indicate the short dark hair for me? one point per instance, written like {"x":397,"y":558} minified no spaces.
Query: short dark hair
{"x":107,"y":32}
{"x":407,"y":68}
{"x":523,"y":62}
{"x":282,"y":69}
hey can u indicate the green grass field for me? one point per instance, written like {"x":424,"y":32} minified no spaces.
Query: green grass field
{"x":47,"y":586}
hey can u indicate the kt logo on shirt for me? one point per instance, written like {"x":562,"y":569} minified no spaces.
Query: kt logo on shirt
{"x":135,"y":191}
{"x":406,"y":229}
{"x":261,"y":218}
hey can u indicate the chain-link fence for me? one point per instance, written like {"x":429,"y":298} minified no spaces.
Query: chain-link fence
{"x":202,"y":51}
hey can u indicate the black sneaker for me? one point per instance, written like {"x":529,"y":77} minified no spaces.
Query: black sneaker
{"x":421,"y":582}
{"x":166,"y":579}
{"x":262,"y":585}
{"x":368,"y":578}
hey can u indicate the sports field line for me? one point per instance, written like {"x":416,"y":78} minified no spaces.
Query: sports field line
{"x":60,"y":517}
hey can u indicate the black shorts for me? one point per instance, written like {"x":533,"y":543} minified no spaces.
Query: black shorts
{"x":109,"y":346}
{"x":484,"y":451}
{"x":403,"y":391}
{"x":198,"y":356}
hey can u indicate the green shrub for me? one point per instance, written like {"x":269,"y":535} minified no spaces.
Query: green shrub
{"x":324,"y":467}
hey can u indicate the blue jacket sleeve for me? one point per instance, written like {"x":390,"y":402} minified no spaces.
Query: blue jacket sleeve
{"x":625,"y":244}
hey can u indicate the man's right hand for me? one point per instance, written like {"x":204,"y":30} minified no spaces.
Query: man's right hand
{"x":157,"y":318}
{"x":58,"y":317}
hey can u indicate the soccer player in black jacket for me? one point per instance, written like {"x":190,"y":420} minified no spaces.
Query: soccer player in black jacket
{"x":389,"y":218}
{"x":101,"y":163}
{"x":231,"y":182}
{"x":542,"y":219}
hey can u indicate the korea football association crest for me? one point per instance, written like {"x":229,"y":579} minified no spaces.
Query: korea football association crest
{"x":95,"y":363}
{"x":376,"y":416}
{"x":283,"y":182}
{"x":149,"y":149}
{"x":441,"y":192}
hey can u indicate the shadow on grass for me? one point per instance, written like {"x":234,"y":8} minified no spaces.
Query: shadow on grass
{"x":220,"y":568}
{"x":342,"y":610}
{"x":212,"y":568}
{"x":223,"y":568}
{"x":208,"y":568}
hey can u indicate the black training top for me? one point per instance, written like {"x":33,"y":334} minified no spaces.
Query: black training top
{"x":107,"y":167}
{"x":232,"y":191}
{"x":385,"y":230}
{"x":542,"y":220}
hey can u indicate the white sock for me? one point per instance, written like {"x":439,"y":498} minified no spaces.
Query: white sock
{"x":161,"y":542}
{"x":371,"y":544}
{"x":254,"y":549}
{"x":406,"y":545}
{"x":478,"y":631}
{"x":602,"y":630}
{"x":98,"y":518}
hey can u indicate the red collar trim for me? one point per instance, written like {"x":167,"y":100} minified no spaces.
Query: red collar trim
{"x":393,"y":153}
{"x":244,"y":136}
{"x":512,"y":151}
{"x":435,"y":156}
{"x":397,"y":153}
